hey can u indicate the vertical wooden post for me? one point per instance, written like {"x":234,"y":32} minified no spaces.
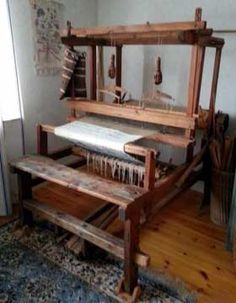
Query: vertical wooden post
{"x":118,"y":67}
{"x":131,"y":239}
{"x":198,"y":56}
{"x":211,"y":128}
{"x":150,"y":169}
{"x":211,"y":121}
{"x":24,"y":192}
{"x":42,"y":141}
{"x":131,"y":245}
{"x":195,"y":79}
{"x":93,"y":73}
{"x":198,"y":77}
{"x":207,"y":179}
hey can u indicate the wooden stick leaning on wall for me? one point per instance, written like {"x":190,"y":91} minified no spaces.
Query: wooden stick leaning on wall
{"x":223,"y":155}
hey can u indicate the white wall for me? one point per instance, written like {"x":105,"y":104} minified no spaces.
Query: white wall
{"x":138,"y":73}
{"x":125,"y":12}
{"x":40,"y":94}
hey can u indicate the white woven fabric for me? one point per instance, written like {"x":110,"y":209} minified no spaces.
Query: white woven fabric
{"x":97,"y":138}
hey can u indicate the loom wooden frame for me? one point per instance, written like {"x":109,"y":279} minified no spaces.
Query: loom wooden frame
{"x":155,"y":194}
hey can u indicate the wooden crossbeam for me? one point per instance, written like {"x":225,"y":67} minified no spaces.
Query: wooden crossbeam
{"x":84,"y":230}
{"x":136,"y":113}
{"x":60,"y":153}
{"x":179,"y":141}
{"x":211,"y":42}
{"x":184,"y":37}
{"x":113,"y":30}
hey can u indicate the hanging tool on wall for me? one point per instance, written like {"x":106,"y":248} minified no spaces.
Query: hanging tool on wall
{"x":112,"y":68}
{"x":158,"y":74}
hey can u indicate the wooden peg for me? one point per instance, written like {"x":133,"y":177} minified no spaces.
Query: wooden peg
{"x":198,"y":14}
{"x":158,"y":74}
{"x":112,"y":69}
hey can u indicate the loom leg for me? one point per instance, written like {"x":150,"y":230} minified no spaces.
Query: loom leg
{"x":24,"y":192}
{"x":128,"y":288}
{"x":42,"y":141}
{"x":207,"y":181}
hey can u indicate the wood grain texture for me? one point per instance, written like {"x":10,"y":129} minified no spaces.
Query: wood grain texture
{"x":95,"y":186}
{"x":136,"y":113}
{"x":181,"y":241}
{"x":82,"y":229}
{"x":175,"y":140}
{"x":135,"y":29}
{"x":42,"y":141}
{"x":162,"y":33}
{"x":187,"y":37}
{"x":150,"y":169}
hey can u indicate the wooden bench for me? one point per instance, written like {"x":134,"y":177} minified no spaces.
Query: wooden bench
{"x":122,"y":195}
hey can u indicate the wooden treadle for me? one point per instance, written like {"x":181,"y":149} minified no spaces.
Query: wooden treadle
{"x":84,"y":230}
{"x":50,"y":170}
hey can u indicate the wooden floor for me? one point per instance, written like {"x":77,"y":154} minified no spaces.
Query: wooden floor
{"x":181,"y":241}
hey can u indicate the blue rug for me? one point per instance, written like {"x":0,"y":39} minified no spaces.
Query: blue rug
{"x":35,"y":268}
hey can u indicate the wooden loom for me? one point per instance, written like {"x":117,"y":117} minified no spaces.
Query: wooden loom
{"x":131,"y":202}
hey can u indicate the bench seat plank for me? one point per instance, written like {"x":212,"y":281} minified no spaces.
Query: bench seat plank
{"x":50,"y":170}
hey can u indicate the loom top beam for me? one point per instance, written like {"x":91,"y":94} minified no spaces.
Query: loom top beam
{"x":136,"y":28}
{"x":189,"y":33}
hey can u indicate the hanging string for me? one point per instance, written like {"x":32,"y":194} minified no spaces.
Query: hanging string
{"x":119,"y":170}
{"x":115,"y":169}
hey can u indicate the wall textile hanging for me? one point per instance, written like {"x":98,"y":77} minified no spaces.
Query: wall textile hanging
{"x":47,"y":18}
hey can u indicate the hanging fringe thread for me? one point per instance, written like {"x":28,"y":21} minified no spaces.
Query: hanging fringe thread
{"x":119,"y":170}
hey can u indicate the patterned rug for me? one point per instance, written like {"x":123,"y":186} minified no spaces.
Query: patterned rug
{"x":36,"y":268}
